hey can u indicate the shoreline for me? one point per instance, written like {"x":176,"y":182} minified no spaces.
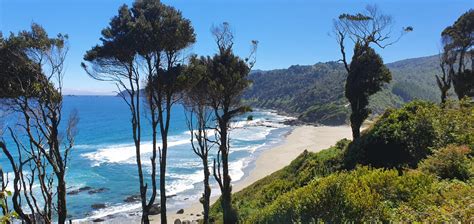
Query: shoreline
{"x":300,"y":138}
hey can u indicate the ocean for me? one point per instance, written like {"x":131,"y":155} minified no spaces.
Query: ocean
{"x":102,"y":172}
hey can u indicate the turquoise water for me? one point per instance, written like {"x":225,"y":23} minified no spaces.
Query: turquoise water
{"x":104,"y":155}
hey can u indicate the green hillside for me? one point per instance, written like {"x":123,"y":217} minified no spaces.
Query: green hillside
{"x":413,"y":164}
{"x":315,"y":93}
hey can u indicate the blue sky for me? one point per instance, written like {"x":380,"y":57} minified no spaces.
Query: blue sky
{"x":289,"y":31}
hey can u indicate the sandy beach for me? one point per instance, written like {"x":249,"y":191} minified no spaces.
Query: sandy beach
{"x":301,"y":138}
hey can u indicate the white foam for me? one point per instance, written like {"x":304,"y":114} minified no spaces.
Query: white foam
{"x":122,"y":208}
{"x":236,"y":169}
{"x":124,"y":153}
{"x":257,"y":129}
{"x":183,"y":182}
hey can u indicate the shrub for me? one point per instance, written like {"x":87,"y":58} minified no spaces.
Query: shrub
{"x":450,"y":202}
{"x":405,"y":136}
{"x":362,"y":195}
{"x":451,"y":162}
{"x":372,"y":195}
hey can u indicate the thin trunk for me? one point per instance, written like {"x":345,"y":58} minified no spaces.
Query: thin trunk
{"x":61,"y":190}
{"x":17,"y":207}
{"x":444,"y":96}
{"x":164,"y":127}
{"x":162,"y":181}
{"x":207,"y":190}
{"x":226,"y":198}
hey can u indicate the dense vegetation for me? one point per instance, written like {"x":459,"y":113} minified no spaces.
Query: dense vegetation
{"x":334,"y":185}
{"x":315,"y":93}
{"x":404,"y":137}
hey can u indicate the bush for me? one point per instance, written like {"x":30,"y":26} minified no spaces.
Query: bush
{"x":371,"y":195}
{"x":451,"y":162}
{"x":362,"y":195}
{"x":451,"y":202}
{"x":405,"y":136}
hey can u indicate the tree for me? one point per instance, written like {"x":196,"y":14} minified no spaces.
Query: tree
{"x":164,"y":34}
{"x":367,"y":76}
{"x":364,"y":29}
{"x":199,"y":121}
{"x":445,"y":79}
{"x":458,"y":40}
{"x":116,"y":61}
{"x":33,"y":70}
{"x":143,"y":44}
{"x":226,"y":83}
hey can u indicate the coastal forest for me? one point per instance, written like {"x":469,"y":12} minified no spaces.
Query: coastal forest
{"x":410,"y":157}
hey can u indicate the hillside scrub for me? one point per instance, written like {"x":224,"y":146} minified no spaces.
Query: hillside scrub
{"x":372,"y":195}
{"x":405,"y":136}
{"x":376,"y":179}
{"x":452,"y":162}
{"x":315,"y":93}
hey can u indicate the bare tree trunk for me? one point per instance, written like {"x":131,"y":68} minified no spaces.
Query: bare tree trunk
{"x":163,"y":184}
{"x":61,"y":191}
{"x":207,"y":192}
{"x":164,"y":127}
{"x":226,"y":198}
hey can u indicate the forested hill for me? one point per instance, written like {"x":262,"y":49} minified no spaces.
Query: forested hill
{"x":315,"y":93}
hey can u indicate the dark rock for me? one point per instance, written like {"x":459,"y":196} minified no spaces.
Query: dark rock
{"x":181,"y":211}
{"x":177,"y":221}
{"x":133,"y":198}
{"x":171,"y":196}
{"x":155,"y":209}
{"x":294,"y":122}
{"x":98,"y":206}
{"x":98,"y":220}
{"x":77,"y":191}
{"x":99,"y":190}
{"x":186,"y":199}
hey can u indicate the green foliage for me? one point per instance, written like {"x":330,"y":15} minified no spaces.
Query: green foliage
{"x":325,"y":187}
{"x":306,"y":166}
{"x":458,"y":41}
{"x":404,"y":137}
{"x":329,"y":114}
{"x":366,"y":195}
{"x":445,"y":202}
{"x":451,"y":162}
{"x":20,"y":71}
{"x":9,"y":215}
{"x":340,"y":197}
{"x":366,"y":77}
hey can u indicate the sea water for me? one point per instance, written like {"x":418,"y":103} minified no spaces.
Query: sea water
{"x":103,"y":157}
